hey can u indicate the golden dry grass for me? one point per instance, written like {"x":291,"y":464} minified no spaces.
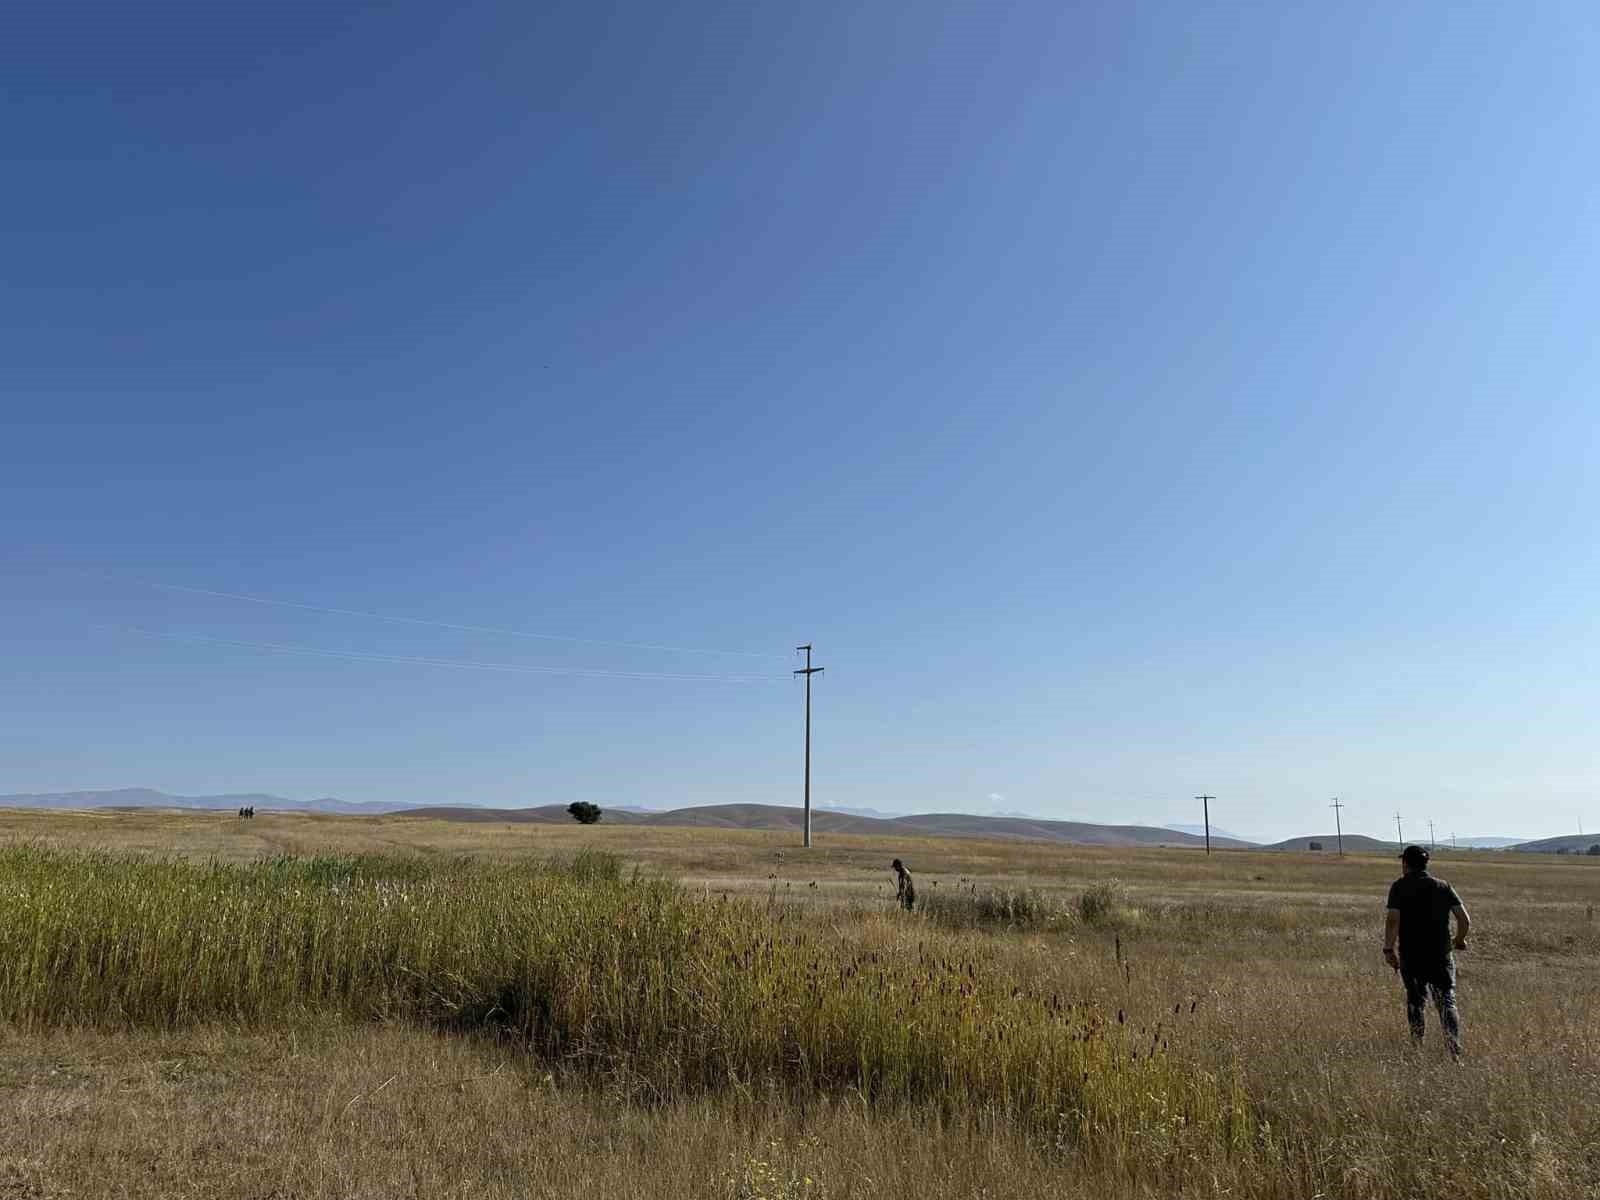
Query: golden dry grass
{"x":1275,"y":954}
{"x":329,"y":1111}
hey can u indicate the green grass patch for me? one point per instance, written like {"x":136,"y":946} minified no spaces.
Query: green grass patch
{"x":972,"y":907}
{"x":598,"y":972}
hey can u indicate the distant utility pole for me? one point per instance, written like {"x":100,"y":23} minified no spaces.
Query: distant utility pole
{"x":1453,"y":845}
{"x":1398,"y":835}
{"x":1205,"y":802}
{"x":1338,"y":825}
{"x":808,"y":671}
{"x":1432,"y":845}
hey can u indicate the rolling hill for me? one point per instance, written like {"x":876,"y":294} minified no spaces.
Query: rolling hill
{"x":1358,"y":843}
{"x":150,"y":798}
{"x":1569,"y":843}
{"x":770,"y":816}
{"x":717,"y":816}
{"x":1216,"y":832}
{"x":868,"y":822}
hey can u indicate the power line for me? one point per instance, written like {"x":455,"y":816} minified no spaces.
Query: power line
{"x":449,"y":663}
{"x":459,"y":627}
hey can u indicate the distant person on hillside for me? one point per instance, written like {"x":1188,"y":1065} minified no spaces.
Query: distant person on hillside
{"x":1418,"y":922}
{"x":905,"y":891}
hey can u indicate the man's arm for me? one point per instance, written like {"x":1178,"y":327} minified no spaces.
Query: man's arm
{"x":1391,"y":931}
{"x":1463,"y":925}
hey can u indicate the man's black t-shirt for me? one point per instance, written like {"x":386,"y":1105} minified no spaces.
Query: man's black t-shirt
{"x":1424,"y":905}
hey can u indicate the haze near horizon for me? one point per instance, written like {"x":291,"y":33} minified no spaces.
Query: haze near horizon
{"x":1128,"y":403}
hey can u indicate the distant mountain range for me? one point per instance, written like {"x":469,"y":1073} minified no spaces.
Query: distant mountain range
{"x":718,"y":816}
{"x":1330,"y":842}
{"x":149,"y":798}
{"x":866,"y":821}
{"x":826,"y":820}
{"x":1216,"y":832}
{"x":880,"y":813}
{"x":1365,"y":844}
{"x":1358,"y":841}
{"x":1571,"y":843}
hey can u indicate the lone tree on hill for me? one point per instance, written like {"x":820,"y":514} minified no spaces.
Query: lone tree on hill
{"x":583,"y":812}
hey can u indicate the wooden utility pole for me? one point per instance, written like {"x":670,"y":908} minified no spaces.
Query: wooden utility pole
{"x":1338,"y":826}
{"x":1401,"y":837}
{"x":1205,"y":803}
{"x":1432,"y":845}
{"x":808,"y":671}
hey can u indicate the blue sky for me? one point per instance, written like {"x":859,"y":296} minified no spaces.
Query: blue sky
{"x":1128,"y":400}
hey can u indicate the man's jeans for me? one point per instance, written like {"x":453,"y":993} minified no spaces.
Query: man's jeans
{"x":1440,"y":977}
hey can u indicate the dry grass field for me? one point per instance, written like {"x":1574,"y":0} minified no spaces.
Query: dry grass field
{"x":448,"y":1010}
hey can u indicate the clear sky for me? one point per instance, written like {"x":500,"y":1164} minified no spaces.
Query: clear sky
{"x":1128,"y":400}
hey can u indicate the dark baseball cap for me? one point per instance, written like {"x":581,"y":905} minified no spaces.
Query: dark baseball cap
{"x":1414,"y":857}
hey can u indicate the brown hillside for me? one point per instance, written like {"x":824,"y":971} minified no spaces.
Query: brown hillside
{"x":771,"y":816}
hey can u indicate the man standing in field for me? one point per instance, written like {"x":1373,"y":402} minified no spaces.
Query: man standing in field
{"x":1418,"y":919}
{"x":905,"y":891}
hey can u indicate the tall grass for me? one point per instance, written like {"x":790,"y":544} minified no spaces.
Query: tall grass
{"x":636,"y":979}
{"x":969,"y":906}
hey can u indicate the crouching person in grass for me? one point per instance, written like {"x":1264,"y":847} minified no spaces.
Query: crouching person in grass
{"x":905,"y":891}
{"x":1418,"y":924}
